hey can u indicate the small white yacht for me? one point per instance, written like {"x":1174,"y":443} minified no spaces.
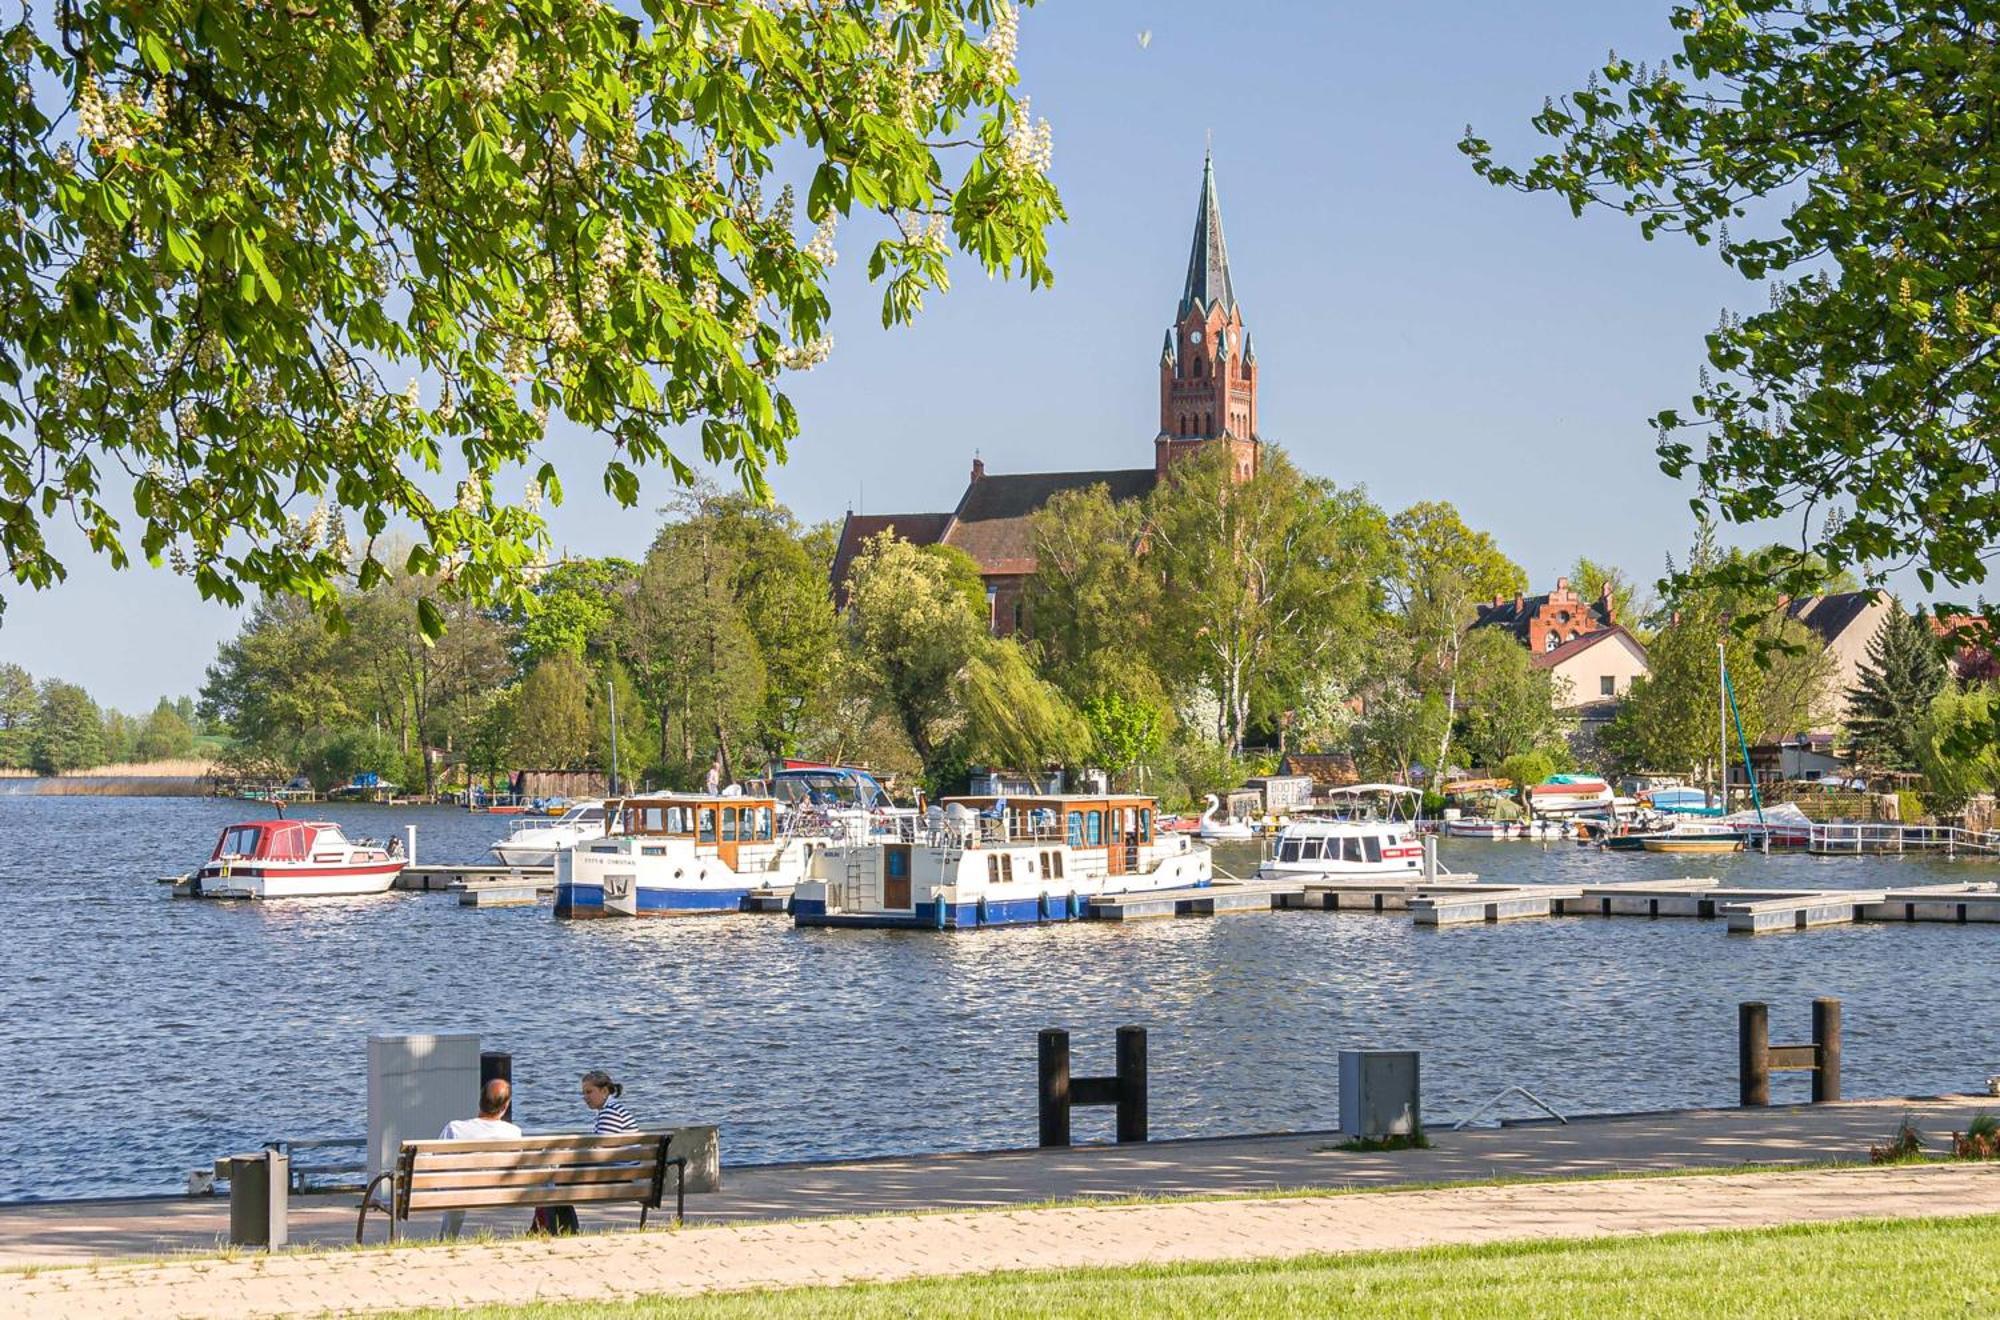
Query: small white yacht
{"x":985,"y":861}
{"x":1369,"y":831}
{"x":292,"y":859}
{"x":536,"y":842}
{"x":681,"y":854}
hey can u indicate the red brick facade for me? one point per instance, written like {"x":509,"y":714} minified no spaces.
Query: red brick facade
{"x":1543,"y":623}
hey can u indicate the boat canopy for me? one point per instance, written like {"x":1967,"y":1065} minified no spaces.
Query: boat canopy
{"x":1356,"y":790}
{"x":828,"y":786}
{"x":276,"y":840}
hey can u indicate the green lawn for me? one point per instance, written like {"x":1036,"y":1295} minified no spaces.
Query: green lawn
{"x":1939,"y":1267}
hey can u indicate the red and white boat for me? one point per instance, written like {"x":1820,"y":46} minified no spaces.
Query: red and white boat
{"x":1565,"y":795}
{"x":292,"y":859}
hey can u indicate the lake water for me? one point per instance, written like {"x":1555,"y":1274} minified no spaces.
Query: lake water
{"x":141,"y":1036}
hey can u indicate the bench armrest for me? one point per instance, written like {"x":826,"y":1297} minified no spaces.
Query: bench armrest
{"x":368,"y":1199}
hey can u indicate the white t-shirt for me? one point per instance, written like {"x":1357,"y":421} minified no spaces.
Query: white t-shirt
{"x":479,"y":1129}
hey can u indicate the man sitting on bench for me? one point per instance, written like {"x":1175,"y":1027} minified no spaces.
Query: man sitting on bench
{"x":491,"y":1125}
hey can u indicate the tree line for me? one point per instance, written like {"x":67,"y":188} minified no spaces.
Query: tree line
{"x":1169,"y":641}
{"x":54,"y":726}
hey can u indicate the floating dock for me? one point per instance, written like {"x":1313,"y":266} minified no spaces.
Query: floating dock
{"x":1464,"y":901}
{"x":475,"y":874}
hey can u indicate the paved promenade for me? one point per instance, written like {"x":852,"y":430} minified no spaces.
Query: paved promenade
{"x":732,"y":1257}
{"x":75,"y":1231}
{"x":733,"y":1241}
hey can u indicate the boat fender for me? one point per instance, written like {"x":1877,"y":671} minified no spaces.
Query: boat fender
{"x":1072,"y":906}
{"x":940,"y":910}
{"x":981,"y":910}
{"x":1042,"y":912}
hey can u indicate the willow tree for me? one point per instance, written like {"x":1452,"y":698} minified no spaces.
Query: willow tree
{"x":1841,"y":151}
{"x":293,"y":270}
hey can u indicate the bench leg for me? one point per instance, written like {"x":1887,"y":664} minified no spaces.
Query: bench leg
{"x":368,"y":1199}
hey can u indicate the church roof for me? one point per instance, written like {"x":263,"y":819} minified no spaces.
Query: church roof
{"x":916,"y":528}
{"x":1208,"y":260}
{"x":993,"y":519}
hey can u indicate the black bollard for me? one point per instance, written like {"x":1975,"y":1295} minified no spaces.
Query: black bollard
{"x":1753,"y":1054}
{"x":1131,"y":1084}
{"x":1826,"y":1044}
{"x":500,"y":1064}
{"x":1053,"y":1073}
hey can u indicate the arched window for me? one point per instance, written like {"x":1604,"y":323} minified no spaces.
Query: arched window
{"x":1182,"y":429}
{"x":1200,"y":368}
{"x":1208,"y":423}
{"x":1554,"y":640}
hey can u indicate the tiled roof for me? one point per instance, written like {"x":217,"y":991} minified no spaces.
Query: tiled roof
{"x":993,"y":524}
{"x":1325,"y":769}
{"x":1830,"y":616}
{"x":917,"y":528}
{"x":1550,"y":659}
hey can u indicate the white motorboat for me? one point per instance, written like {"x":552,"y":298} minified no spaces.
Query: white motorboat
{"x":1565,"y":795}
{"x":292,"y":859}
{"x":1214,"y":827}
{"x":681,"y":854}
{"x":536,"y":843}
{"x":1016,"y":861}
{"x":1370,"y":830}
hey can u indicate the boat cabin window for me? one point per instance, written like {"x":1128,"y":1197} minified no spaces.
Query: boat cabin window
{"x":1006,"y":866}
{"x":1093,"y":828}
{"x":1309,"y":848}
{"x":706,"y":832}
{"x":1373,"y":845}
{"x":1145,"y":824}
{"x":992,"y":868}
{"x":1350,"y":850}
{"x":1288,"y":850}
{"x":761,"y":816}
{"x":238,"y":842}
{"x":729,"y":824}
{"x":1076,"y":829}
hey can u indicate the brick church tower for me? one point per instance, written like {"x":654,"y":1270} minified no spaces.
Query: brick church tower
{"x":1208,"y":368}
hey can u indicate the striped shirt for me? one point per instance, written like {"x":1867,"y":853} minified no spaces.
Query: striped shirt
{"x":613,"y":1119}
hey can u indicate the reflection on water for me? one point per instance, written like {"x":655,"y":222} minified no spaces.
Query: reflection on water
{"x":141,"y":1036}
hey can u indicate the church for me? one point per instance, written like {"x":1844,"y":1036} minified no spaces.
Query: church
{"x":1208,"y":398}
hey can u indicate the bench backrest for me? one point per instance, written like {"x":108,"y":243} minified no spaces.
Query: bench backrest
{"x":462,"y":1175}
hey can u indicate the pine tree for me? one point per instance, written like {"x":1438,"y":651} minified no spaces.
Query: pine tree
{"x":1904,"y":673}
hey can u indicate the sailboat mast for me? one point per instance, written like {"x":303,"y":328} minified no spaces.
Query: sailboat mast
{"x":1722,"y":726}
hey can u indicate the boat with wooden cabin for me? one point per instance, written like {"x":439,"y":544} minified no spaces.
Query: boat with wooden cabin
{"x":999,"y":861}
{"x":681,"y":854}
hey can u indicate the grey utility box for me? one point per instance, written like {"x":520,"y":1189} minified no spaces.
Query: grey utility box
{"x":416,"y":1085}
{"x":259,"y":1198}
{"x":1379,"y":1094}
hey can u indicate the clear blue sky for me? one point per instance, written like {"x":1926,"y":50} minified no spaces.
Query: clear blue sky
{"x":1420,"y":332}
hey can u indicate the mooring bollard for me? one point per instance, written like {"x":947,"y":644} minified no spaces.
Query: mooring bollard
{"x":500,"y":1064}
{"x":1057,"y":1091}
{"x":1757,"y":1058}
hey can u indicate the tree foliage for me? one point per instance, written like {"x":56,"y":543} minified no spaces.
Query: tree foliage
{"x":1268,"y":580}
{"x":1848,"y":143}
{"x":275,"y":217}
{"x":553,"y":729}
{"x":1902,"y":676}
{"x":69,"y":730}
{"x":1955,"y":749}
{"x":19,"y":705}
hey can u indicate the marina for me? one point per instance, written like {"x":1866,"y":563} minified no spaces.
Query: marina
{"x":747,"y":1019}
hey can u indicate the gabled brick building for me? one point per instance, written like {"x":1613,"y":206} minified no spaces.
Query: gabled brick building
{"x":1543,"y":623}
{"x":1208,"y":398}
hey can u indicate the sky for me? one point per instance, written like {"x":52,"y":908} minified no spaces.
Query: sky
{"x":1419,"y":332}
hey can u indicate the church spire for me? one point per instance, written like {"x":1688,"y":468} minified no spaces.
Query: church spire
{"x":1208,"y":260}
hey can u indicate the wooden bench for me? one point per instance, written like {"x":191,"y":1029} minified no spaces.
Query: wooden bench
{"x":529,"y":1171}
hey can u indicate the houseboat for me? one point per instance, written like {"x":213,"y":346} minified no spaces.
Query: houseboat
{"x":1370,"y":830}
{"x":986,"y":861}
{"x":536,"y":843}
{"x":291,"y":859}
{"x":675,"y":854}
